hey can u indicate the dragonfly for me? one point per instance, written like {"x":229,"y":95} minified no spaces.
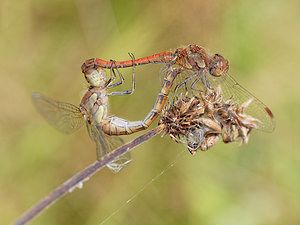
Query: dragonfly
{"x":68,"y":118}
{"x":198,"y":69}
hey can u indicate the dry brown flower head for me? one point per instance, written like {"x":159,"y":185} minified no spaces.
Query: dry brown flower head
{"x":198,"y":121}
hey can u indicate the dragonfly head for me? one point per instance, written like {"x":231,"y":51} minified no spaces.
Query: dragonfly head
{"x":96,"y":78}
{"x":218,"y":66}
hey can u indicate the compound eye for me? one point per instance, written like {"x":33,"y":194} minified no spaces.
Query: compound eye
{"x":219,"y":66}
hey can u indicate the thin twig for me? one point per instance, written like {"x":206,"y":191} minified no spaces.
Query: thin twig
{"x":83,"y":175}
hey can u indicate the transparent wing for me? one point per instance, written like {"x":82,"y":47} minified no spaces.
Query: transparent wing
{"x":105,"y":144}
{"x":257,"y":109}
{"x":230,"y":88}
{"x":65,"y":117}
{"x":163,"y":71}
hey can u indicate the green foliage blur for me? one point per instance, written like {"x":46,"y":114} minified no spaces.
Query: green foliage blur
{"x":43,"y":44}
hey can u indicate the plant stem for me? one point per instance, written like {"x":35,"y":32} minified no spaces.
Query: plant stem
{"x":84,"y":175}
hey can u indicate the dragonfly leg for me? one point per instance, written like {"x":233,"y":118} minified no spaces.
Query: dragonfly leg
{"x":207,"y":82}
{"x":118,"y":126}
{"x":183,"y":82}
{"x":128,"y":92}
{"x":196,"y":81}
{"x":113,"y":76}
{"x":114,"y":66}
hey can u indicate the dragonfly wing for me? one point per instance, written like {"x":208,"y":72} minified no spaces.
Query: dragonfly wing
{"x":105,"y":144}
{"x":256,"y":109}
{"x":230,"y":88}
{"x":66,"y":117}
{"x":115,"y":142}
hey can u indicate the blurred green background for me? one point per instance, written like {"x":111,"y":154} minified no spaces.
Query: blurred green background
{"x":44,"y":43}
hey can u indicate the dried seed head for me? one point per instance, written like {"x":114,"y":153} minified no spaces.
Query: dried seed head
{"x":198,"y":121}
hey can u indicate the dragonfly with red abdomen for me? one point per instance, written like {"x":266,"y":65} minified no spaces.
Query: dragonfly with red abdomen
{"x":92,"y":111}
{"x":194,"y":65}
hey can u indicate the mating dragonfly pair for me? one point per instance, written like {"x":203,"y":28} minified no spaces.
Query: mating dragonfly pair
{"x":191,"y":68}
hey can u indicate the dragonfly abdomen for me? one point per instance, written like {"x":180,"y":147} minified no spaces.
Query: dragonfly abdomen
{"x":119,"y":126}
{"x":95,"y":63}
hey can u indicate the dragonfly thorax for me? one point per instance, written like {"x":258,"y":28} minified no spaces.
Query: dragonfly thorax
{"x":193,"y":57}
{"x":96,"y":78}
{"x":94,"y":105}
